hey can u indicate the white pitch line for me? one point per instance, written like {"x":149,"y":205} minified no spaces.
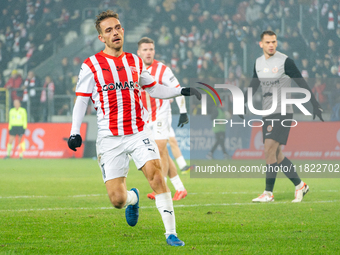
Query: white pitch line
{"x":85,"y":195}
{"x":89,"y":195}
{"x":151,"y":207}
{"x":197,"y":193}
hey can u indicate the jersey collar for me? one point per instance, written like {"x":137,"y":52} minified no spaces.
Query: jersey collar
{"x":154,"y":63}
{"x":112,"y":57}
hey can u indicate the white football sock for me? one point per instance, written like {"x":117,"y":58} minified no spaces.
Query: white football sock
{"x":166,"y":209}
{"x":131,"y":198}
{"x":178,"y":184}
{"x":299,"y":186}
{"x":181,"y":162}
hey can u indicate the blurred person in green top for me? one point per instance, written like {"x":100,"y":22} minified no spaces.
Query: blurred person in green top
{"x":16,"y":126}
{"x":219,"y":131}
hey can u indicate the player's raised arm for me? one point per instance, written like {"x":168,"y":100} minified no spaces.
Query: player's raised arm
{"x":293,"y":72}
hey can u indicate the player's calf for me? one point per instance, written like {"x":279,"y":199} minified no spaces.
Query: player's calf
{"x":153,"y":173}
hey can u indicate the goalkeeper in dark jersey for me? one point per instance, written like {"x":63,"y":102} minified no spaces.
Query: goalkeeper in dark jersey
{"x":16,"y":126}
{"x":275,"y":70}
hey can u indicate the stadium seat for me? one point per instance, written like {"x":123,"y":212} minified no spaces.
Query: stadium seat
{"x":16,"y":60}
{"x":11,"y":65}
{"x":70,"y":37}
{"x":23,"y":61}
{"x":87,"y":27}
{"x":7,"y":73}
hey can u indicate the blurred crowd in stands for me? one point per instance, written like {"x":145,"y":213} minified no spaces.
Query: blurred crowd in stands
{"x":209,"y":40}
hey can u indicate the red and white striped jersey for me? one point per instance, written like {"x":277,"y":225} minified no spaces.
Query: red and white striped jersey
{"x":163,"y":76}
{"x":113,"y":84}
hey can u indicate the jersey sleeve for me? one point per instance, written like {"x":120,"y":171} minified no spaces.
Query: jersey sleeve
{"x":78,"y":114}
{"x":255,"y":83}
{"x":145,"y":79}
{"x":169,"y":79}
{"x":85,"y":82}
{"x":293,"y":72}
{"x":163,"y":92}
{"x":291,"y":69}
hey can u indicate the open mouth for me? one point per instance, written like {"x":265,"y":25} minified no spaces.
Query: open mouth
{"x":116,"y":40}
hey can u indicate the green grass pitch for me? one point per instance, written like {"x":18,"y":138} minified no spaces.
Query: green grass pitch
{"x":61,"y":207}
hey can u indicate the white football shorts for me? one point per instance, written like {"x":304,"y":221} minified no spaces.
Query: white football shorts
{"x":160,"y":128}
{"x":113,"y":153}
{"x":172,"y":132}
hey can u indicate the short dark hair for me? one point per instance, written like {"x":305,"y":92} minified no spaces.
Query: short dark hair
{"x":145,"y":40}
{"x":104,"y":15}
{"x":267,"y":32}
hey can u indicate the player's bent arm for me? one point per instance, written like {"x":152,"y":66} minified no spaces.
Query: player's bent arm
{"x":163,"y":92}
{"x":170,"y":80}
{"x":254,"y":84}
{"x":181,"y":104}
{"x":79,"y":111}
{"x":183,"y":117}
{"x":155,"y":90}
{"x":293,"y":72}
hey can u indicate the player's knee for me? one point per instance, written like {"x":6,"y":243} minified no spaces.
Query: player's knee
{"x":269,"y":151}
{"x":118,"y":204}
{"x":118,"y":201}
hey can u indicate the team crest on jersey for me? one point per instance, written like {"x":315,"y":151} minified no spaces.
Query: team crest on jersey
{"x":275,"y":69}
{"x":146,"y":141}
{"x":133,"y":69}
{"x":269,"y":128}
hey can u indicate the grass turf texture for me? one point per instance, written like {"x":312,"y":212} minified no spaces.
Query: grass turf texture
{"x":61,"y":207}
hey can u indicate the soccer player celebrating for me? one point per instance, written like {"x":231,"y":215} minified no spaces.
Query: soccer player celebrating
{"x":160,"y":113}
{"x":272,"y":70}
{"x":112,"y":79}
{"x":17,"y":125}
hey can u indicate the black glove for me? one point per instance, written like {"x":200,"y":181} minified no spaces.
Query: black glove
{"x":191,"y":91}
{"x":74,"y":142}
{"x":317,"y":111}
{"x":183,"y":119}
